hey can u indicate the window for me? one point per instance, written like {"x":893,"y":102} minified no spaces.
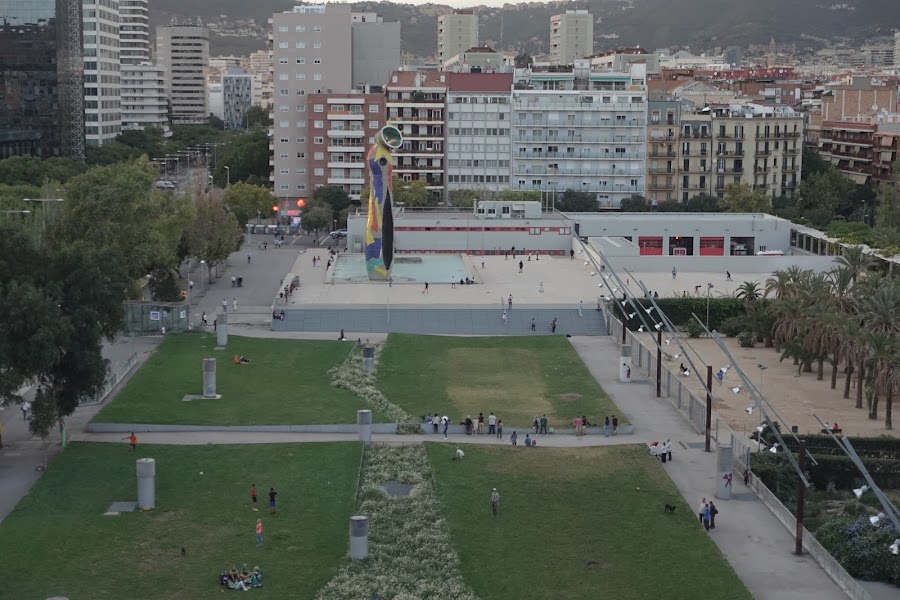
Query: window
{"x":318,"y":124}
{"x":301,"y":171}
{"x":317,"y":61}
{"x":373,"y":108}
{"x":317,"y":28}
{"x":301,"y":108}
{"x":284,"y":108}
{"x":373,"y":124}
{"x":318,"y":172}
{"x":319,"y":156}
{"x":317,"y":76}
{"x":300,"y":45}
{"x":283,"y":186}
{"x":301,"y":155}
{"x":283,"y":60}
{"x":300,"y":28}
{"x":282,"y":29}
{"x":301,"y":124}
{"x":283,"y":155}
{"x":318,"y":140}
{"x":301,"y":61}
{"x":284,"y":123}
{"x":283,"y":140}
{"x":317,"y":44}
{"x":282,"y":77}
{"x":301,"y":76}
{"x":301,"y":140}
{"x":318,"y":108}
{"x":282,"y":92}
{"x":282,"y":44}
{"x":285,"y":171}
{"x":301,"y":187}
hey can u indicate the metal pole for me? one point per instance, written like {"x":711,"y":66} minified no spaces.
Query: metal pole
{"x":659,"y":362}
{"x":708,"y":289}
{"x":708,"y":405}
{"x":801,"y":496}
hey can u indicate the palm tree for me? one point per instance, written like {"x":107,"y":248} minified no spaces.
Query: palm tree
{"x":856,"y":259}
{"x":779,"y":285}
{"x":749,"y":291}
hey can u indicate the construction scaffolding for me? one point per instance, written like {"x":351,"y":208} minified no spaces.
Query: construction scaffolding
{"x":71,"y":79}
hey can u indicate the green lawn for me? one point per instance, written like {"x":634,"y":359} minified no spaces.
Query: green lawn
{"x":64,"y":546}
{"x":559,"y":509}
{"x":286,"y":384}
{"x":518,"y":378}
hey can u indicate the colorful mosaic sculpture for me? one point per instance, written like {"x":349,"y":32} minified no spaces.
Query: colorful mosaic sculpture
{"x":379,"y":241}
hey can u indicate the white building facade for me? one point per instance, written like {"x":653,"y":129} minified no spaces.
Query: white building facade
{"x":457,"y":32}
{"x":134,"y":32}
{"x":580,"y":130}
{"x":183,"y":53}
{"x":479,"y":118}
{"x":144,"y":97}
{"x":102,"y":79}
{"x":571,"y":36}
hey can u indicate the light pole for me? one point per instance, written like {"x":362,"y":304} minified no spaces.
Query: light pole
{"x":761,"y":368}
{"x":709,"y":288}
{"x":16,"y":212}
{"x":202,"y":277}
{"x":43,"y":202}
{"x":227,"y":176}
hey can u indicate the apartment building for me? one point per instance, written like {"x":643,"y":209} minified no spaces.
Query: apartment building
{"x":695,"y":155}
{"x":457,"y":32}
{"x":477,"y":60}
{"x":311,"y":53}
{"x":102,"y":79}
{"x":662,"y":150}
{"x":237,"y":97}
{"x":134,"y":32}
{"x":376,"y":49}
{"x":261,"y":67}
{"x":342,"y":128}
{"x":860,"y":99}
{"x":144,"y":97}
{"x":183,"y":53}
{"x":863,"y":151}
{"x":479,"y":118}
{"x":758,"y":145}
{"x":581,"y":130}
{"x":415,"y":103}
{"x":571,"y":36}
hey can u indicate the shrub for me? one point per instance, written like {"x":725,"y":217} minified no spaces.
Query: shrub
{"x":861,"y":548}
{"x":746,"y":339}
{"x":679,"y":310}
{"x":694,"y":329}
{"x":732,"y":326}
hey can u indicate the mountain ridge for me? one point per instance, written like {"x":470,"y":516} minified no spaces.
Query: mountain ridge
{"x":695,"y":24}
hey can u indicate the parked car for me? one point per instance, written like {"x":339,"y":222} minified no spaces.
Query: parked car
{"x":165,"y":185}
{"x":338,"y":234}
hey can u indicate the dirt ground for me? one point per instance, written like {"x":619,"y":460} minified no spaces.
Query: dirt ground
{"x":794,"y":397}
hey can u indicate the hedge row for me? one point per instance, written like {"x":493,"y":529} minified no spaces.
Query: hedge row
{"x":817,"y":443}
{"x":679,"y":310}
{"x":836,"y":470}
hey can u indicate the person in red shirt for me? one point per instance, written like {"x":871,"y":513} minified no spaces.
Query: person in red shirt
{"x":253,"y":493}
{"x":132,"y":439}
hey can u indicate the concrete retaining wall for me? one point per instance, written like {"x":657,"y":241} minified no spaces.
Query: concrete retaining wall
{"x":156,"y":428}
{"x":507,"y":430}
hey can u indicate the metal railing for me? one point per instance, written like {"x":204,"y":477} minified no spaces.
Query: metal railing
{"x":112,"y":381}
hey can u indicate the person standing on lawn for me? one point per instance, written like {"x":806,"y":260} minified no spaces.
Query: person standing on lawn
{"x":606,"y":426}
{"x":615,"y":424}
{"x":492,"y":423}
{"x":495,"y":502}
{"x":259,"y":529}
{"x":272,"y":494}
{"x":544,"y":424}
{"x":500,"y":429}
{"x":132,"y":440}
{"x":253,"y":494}
{"x":514,"y":437}
{"x":435,"y":421}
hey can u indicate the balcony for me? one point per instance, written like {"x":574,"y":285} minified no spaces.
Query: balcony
{"x":346,"y":116}
{"x":658,"y":154}
{"x":432,"y":120}
{"x":656,"y":170}
{"x":593,"y":189}
{"x":578,"y":139}
{"x":661,"y":187}
{"x":735,"y":171}
{"x":727,"y":153}
{"x":346,"y":165}
{"x":547,"y":172}
{"x":763,"y":153}
{"x":351,"y":148}
{"x":562,"y":124}
{"x":345,"y":133}
{"x":582,"y":155}
{"x":347,"y":180}
{"x":523,"y":102}
{"x":790,"y":151}
{"x":418,"y":169}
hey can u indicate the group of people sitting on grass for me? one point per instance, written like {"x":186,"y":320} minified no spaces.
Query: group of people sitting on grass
{"x":241,"y":360}
{"x":245,"y":579}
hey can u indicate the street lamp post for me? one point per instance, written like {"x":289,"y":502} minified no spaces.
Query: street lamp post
{"x":709,"y":288}
{"x":227,"y":176}
{"x":202,"y":277}
{"x":761,"y":368}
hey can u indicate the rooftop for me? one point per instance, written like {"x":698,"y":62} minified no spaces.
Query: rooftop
{"x":423,"y":78}
{"x":480,"y":82}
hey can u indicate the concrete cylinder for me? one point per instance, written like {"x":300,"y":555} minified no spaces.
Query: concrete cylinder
{"x":369,"y":358}
{"x":359,"y":537}
{"x":222,"y":330}
{"x":209,"y":378}
{"x":724,"y":472}
{"x":146,"y":479}
{"x":364,"y":426}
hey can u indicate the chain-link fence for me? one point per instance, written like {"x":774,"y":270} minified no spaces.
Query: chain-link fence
{"x":143,"y":318}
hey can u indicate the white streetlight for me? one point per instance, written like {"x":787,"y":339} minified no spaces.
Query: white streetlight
{"x":202,"y":278}
{"x":709,"y":288}
{"x":227,"y":176}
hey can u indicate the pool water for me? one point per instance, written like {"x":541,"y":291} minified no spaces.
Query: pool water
{"x":407,"y":268}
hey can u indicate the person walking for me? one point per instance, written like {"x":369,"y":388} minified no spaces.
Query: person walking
{"x":435,"y":422}
{"x":521,"y":264}
{"x":482,"y":261}
{"x":532,"y":323}
{"x":513,"y":438}
{"x":553,"y":325}
{"x":606,"y":426}
{"x":272,"y":495}
{"x":543,"y":430}
{"x":248,"y":258}
{"x":132,"y":440}
{"x":233,"y":281}
{"x":615,"y":424}
{"x":509,"y":302}
{"x":234,"y":304}
{"x":492,"y":423}
{"x":541,"y":288}
{"x":224,"y":305}
{"x":446,"y":423}
{"x":26,"y":406}
{"x":425,"y":291}
{"x":495,"y":502}
{"x":203,"y":319}
{"x":259,"y":529}
{"x":707,"y":514}
{"x":500,"y":429}
{"x":674,"y":272}
{"x":253,"y":494}
{"x":713,"y":511}
{"x":728,"y":275}
{"x":701,"y":510}
{"x":503,"y":318}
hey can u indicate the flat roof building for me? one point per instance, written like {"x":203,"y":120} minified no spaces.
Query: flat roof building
{"x":457,"y":32}
{"x":571,"y":36}
{"x":183,"y":53}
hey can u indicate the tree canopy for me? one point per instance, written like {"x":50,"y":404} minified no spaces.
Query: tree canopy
{"x":743,"y":198}
{"x":247,"y":157}
{"x":214,"y":232}
{"x":575,"y":201}
{"x":410,"y":193}
{"x":244,"y":200}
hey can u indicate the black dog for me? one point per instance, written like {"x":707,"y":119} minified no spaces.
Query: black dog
{"x":183,"y":553}
{"x":669,"y":508}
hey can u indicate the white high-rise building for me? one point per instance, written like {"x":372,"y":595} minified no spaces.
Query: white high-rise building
{"x":478,"y":131}
{"x":237,"y":97}
{"x":897,"y":48}
{"x":144,"y":97}
{"x":183,"y":53}
{"x":134,"y":31}
{"x":457,"y":32}
{"x":580,"y":130}
{"x":571,"y":36}
{"x":102,"y":83}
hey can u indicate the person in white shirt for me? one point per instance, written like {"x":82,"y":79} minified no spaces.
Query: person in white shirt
{"x":445,"y":423}
{"x":492,"y":424}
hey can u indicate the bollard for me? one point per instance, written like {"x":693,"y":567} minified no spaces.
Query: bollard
{"x":209,"y":378}
{"x":369,"y":358}
{"x":724,"y":472}
{"x":222,"y":330}
{"x":364,"y":426}
{"x":359,"y":537}
{"x":146,"y":479}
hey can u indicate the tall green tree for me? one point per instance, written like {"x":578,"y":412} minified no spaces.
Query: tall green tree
{"x":575,"y":201}
{"x":244,"y":200}
{"x":57,"y":305}
{"x":150,"y":141}
{"x":247,"y":158}
{"x":214,"y":233}
{"x":334,"y":196}
{"x":258,"y":116}
{"x":827,"y":190}
{"x":317,"y":217}
{"x":410,"y":193}
{"x":743,"y":198}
